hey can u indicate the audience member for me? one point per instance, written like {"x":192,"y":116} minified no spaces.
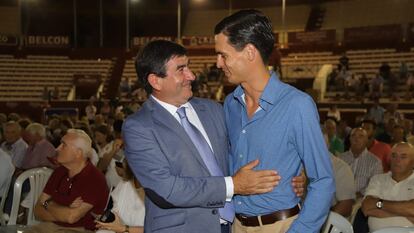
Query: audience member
{"x":336,"y":145}
{"x":379,"y":149}
{"x":376,"y":87}
{"x":74,"y":190}
{"x":392,"y":112}
{"x":363,"y":163}
{"x":334,"y":113}
{"x":376,"y":112}
{"x":39,"y":149}
{"x":397,"y":135}
{"x":385,"y":70}
{"x":90,"y":110}
{"x":385,"y":135}
{"x":6,"y":172}
{"x":14,"y":145}
{"x":389,"y":199}
{"x":345,"y":193}
{"x":344,"y":132}
{"x":128,"y":205}
{"x":343,"y":62}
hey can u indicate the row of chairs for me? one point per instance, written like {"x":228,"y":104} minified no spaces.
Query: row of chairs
{"x":38,"y":177}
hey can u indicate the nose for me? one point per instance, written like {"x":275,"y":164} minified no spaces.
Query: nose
{"x":189,"y":75}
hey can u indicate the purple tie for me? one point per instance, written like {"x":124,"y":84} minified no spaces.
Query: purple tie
{"x":227,"y":212}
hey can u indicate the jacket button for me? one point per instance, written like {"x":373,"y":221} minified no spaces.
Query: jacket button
{"x":214,"y":211}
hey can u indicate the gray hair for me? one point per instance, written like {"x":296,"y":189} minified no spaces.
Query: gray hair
{"x":36,"y":128}
{"x":83,"y":142}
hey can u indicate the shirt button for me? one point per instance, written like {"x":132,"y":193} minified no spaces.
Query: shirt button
{"x":214,"y":212}
{"x":240,"y":155}
{"x":243,"y":131}
{"x":239,"y":203}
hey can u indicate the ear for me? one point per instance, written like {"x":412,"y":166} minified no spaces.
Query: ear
{"x":154,"y":81}
{"x":251,"y":52}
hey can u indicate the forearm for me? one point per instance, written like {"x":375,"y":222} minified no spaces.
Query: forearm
{"x":42,"y":214}
{"x":103,"y":162}
{"x":399,"y":208}
{"x":136,"y":229}
{"x":344,"y":207}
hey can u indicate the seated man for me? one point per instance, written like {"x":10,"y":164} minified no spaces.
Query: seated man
{"x":362,"y":162}
{"x":6,"y":171}
{"x":389,"y":199}
{"x":345,"y":187}
{"x":74,"y":191}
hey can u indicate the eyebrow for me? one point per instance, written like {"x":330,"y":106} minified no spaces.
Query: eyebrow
{"x":182,"y":66}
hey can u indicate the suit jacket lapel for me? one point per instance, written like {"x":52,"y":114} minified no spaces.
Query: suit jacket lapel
{"x":162,"y":117}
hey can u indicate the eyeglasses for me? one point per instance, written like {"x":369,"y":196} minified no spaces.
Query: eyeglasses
{"x":65,"y":186}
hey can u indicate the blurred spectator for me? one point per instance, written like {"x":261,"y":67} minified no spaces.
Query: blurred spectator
{"x":53,"y":131}
{"x":376,"y":87}
{"x":403,"y":71}
{"x":99,"y":120}
{"x":343,"y":132}
{"x":408,"y":129}
{"x":345,"y":192}
{"x":14,"y":145}
{"x":393,"y":112}
{"x":397,"y":135}
{"x":379,"y":149}
{"x":343,"y":62}
{"x":13,"y":117}
{"x":39,"y":149}
{"x":6,"y":172}
{"x":332,"y":80}
{"x":410,"y":86}
{"x":90,"y":110}
{"x":334,"y":112}
{"x":376,"y":112}
{"x":105,"y":109}
{"x":125,"y":86}
{"x":385,"y":71}
{"x":362,"y":162}
{"x":385,"y":136}
{"x":336,"y":146}
{"x":128,"y":208}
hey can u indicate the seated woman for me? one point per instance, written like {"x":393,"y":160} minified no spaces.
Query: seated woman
{"x":129,"y":208}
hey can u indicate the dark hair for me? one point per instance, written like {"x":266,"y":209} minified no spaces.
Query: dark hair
{"x":369,"y":121}
{"x":152,"y":59}
{"x":248,"y":27}
{"x":118,"y":125}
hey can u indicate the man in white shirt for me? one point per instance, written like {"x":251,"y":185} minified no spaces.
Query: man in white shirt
{"x":14,"y":145}
{"x":389,"y":199}
{"x":6,"y":171}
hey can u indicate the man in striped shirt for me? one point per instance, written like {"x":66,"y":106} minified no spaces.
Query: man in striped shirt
{"x":364,"y":164}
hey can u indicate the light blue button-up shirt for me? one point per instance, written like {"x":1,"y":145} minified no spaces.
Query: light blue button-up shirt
{"x":284,"y":134}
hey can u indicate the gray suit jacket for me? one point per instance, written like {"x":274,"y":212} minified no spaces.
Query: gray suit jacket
{"x":181,"y":195}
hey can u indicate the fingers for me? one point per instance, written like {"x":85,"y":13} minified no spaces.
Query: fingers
{"x":251,"y":165}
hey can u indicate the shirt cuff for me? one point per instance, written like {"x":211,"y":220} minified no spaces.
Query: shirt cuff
{"x":229,"y":188}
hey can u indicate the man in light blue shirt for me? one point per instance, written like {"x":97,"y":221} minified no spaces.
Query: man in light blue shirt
{"x":273,"y":124}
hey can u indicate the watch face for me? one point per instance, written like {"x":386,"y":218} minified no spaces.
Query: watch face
{"x":379,"y":204}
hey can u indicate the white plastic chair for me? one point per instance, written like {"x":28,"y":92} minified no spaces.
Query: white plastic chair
{"x":38,"y":178}
{"x":396,"y":230}
{"x":3,"y":200}
{"x":336,"y":223}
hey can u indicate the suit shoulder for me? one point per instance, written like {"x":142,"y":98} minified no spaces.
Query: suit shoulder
{"x":206,"y":102}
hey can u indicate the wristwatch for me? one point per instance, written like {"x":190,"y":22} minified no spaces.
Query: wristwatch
{"x":379,"y":204}
{"x":45,"y":204}
{"x":126,"y":229}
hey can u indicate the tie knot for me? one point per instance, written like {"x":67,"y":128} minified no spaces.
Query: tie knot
{"x":181,"y":112}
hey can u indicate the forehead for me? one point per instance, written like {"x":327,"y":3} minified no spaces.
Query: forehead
{"x":403,"y":149}
{"x":222,"y":44}
{"x":358,"y":132}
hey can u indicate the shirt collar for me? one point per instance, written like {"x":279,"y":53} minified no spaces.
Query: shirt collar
{"x":270,"y":94}
{"x":169,"y":107}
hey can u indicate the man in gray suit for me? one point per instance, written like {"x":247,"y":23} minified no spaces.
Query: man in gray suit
{"x":188,"y":191}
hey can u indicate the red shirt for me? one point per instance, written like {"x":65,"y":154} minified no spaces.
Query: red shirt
{"x":383,"y":152}
{"x":89,"y":184}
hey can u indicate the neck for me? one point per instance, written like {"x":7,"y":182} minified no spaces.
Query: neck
{"x":254,"y":86}
{"x":401,"y":176}
{"x":357,"y":152}
{"x":76,"y":168}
